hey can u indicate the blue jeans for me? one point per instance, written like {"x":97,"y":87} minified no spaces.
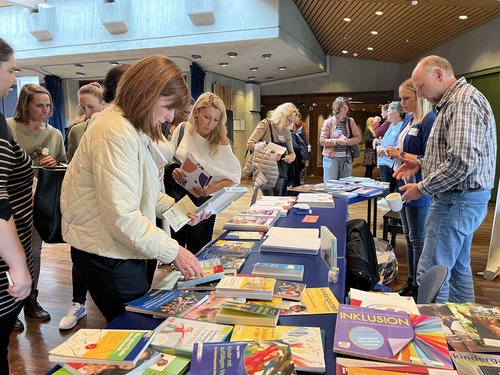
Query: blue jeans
{"x":452,"y":219}
{"x":385,"y":173}
{"x":336,"y":168}
{"x":413,"y":219}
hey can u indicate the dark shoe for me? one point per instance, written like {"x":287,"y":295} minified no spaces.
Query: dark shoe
{"x":18,"y":325}
{"x":413,"y":292}
{"x":32,"y":308}
{"x":406,"y":288}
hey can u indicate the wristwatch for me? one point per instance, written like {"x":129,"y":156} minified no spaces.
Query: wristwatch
{"x":402,"y":154}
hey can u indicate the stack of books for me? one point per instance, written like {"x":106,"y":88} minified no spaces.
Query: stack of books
{"x":246,"y":287}
{"x":279,"y":271}
{"x":250,"y":222}
{"x":282,"y":204}
{"x":212,"y":271}
{"x":316,"y":199}
{"x":248,"y":314}
{"x":305,"y":241}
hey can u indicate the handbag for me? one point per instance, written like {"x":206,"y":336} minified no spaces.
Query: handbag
{"x":47,"y":204}
{"x":355,"y":152}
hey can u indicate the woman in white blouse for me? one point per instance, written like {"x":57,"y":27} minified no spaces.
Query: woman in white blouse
{"x":205,"y":136}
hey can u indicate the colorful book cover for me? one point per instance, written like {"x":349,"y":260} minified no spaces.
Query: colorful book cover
{"x":314,"y":301}
{"x":248,"y":314}
{"x":250,"y":222}
{"x":470,"y":363}
{"x":231,"y":265}
{"x":367,"y":332}
{"x":305,"y":343}
{"x":239,"y":249}
{"x":344,"y":366}
{"x":289,"y":290}
{"x":103,"y":346}
{"x":487,"y":321}
{"x":207,"y":311}
{"x":168,"y":365}
{"x":177,"y":336}
{"x":212,"y":270}
{"x":243,"y":235}
{"x":196,"y":175}
{"x":239,"y":358}
{"x":275,"y":302}
{"x":244,"y":286}
{"x":169,"y":282}
{"x":281,"y":271}
{"x":383,"y":301}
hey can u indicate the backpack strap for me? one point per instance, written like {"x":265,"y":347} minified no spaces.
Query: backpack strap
{"x":270,"y":129}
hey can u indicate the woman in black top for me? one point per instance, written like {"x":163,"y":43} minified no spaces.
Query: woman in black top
{"x":16,"y":181}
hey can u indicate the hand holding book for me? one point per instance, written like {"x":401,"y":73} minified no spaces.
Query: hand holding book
{"x":187,"y":263}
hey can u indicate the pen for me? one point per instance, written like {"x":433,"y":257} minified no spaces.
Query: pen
{"x":9,"y":279}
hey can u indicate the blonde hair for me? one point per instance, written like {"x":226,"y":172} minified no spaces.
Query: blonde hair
{"x":142,"y":85}
{"x":281,"y":112}
{"x":28,"y":92}
{"x":93,"y":89}
{"x":337,"y":103}
{"x":219,"y":133}
{"x":423,"y":105}
{"x":369,"y":124}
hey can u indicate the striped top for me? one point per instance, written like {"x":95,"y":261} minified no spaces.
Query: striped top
{"x":16,"y":180}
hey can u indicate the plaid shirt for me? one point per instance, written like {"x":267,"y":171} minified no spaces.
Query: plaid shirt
{"x":461,"y":149}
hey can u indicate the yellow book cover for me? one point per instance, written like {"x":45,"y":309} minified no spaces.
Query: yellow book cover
{"x":314,"y":301}
{"x":245,"y":286}
{"x":305,"y":342}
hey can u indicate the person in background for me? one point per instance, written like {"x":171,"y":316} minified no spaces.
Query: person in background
{"x":112,"y":189}
{"x":277,"y":130}
{"x":111,"y":81}
{"x":370,"y":157}
{"x":381,"y":124}
{"x":16,"y":181}
{"x":45,"y":146}
{"x":204,"y":135}
{"x":90,"y":101}
{"x":458,"y":171}
{"x":396,"y":115}
{"x":337,"y":134}
{"x":181,"y":115}
{"x":412,"y":142}
{"x":300,"y":128}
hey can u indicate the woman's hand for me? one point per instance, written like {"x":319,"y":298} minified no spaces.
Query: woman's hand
{"x":342,"y":142}
{"x":408,"y":169}
{"x":22,"y":283}
{"x":48,"y":161}
{"x":179,"y":175}
{"x":187,"y":264}
{"x":289,"y":158}
{"x":392,"y":152}
{"x":195,"y":219}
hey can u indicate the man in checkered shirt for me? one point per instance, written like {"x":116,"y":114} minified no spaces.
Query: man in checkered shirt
{"x":458,"y":170}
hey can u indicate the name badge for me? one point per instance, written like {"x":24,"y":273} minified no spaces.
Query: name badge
{"x":414,"y":131}
{"x":281,"y":138}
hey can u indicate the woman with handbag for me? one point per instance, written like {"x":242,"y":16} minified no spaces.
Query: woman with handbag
{"x":111,"y":192}
{"x":45,"y":145}
{"x":204,"y":135}
{"x":16,"y":181}
{"x":276,"y":129}
{"x":339,"y":134}
{"x":370,"y":157}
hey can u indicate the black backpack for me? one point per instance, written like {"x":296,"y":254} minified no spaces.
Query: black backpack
{"x":361,"y":257}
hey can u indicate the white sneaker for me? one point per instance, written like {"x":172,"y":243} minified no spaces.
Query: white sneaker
{"x":75,"y":313}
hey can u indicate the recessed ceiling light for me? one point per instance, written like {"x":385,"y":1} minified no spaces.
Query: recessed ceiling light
{"x":79,"y":65}
{"x":407,"y":40}
{"x":254,"y":69}
{"x":355,"y":54}
{"x":345,"y":51}
{"x":266,"y":55}
{"x":373,"y":32}
{"x":282,"y":68}
{"x":369,"y":48}
{"x":223,"y":63}
{"x":414,"y":2}
{"x":269,"y":78}
{"x":81,"y":74}
{"x":464,"y":17}
{"x":114,"y":63}
{"x":379,"y":13}
{"x":195,"y":57}
{"x":232,"y":55}
{"x":251,"y":78}
{"x":344,"y":37}
{"x":347,"y":19}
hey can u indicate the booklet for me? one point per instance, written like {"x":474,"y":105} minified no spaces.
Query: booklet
{"x":196,"y":175}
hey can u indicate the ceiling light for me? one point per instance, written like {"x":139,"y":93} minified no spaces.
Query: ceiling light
{"x":349,"y":98}
{"x":114,"y":63}
{"x":344,"y":37}
{"x":266,"y":55}
{"x":79,"y":65}
{"x":254,"y":69}
{"x":355,"y":54}
{"x":282,"y":68}
{"x":414,"y":2}
{"x":269,"y":78}
{"x":379,"y":13}
{"x":345,"y":51}
{"x":223,"y":63}
{"x":232,"y":55}
{"x":196,"y":57}
{"x":347,"y":19}
{"x":464,"y":17}
{"x":407,"y":40}
{"x":374,"y":32}
{"x":81,"y":74}
{"x":252,"y":78}
{"x":369,"y":48}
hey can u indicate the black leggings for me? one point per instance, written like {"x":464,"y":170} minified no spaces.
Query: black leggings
{"x":7,"y":322}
